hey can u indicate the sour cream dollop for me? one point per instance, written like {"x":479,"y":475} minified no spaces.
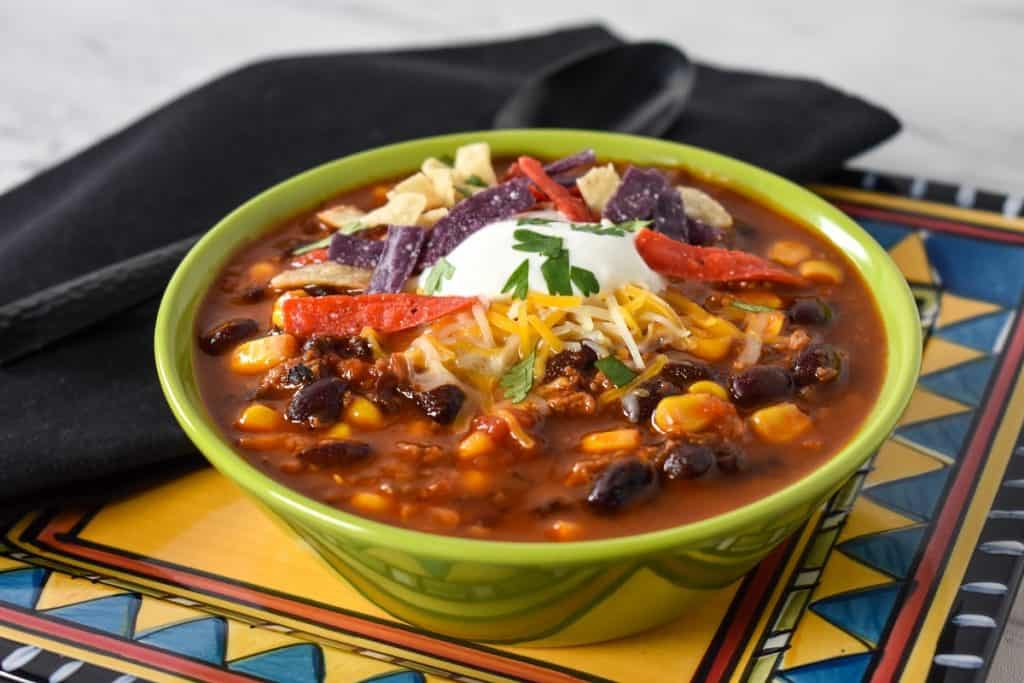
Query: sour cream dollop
{"x":486,"y":259}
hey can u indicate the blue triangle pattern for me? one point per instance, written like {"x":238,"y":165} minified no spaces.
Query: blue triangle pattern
{"x":295,"y":663}
{"x":203,"y":639}
{"x":965,"y":382}
{"x":863,"y":613}
{"x":848,"y":669}
{"x":892,"y":552}
{"x":113,"y":614}
{"x":22,"y":587}
{"x":989,"y":271}
{"x":885,"y":233}
{"x":406,"y":676}
{"x":914,"y":496}
{"x":979,"y":333}
{"x":943,"y":435}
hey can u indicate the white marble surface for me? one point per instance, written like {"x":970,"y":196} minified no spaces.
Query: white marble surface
{"x":951,"y":69}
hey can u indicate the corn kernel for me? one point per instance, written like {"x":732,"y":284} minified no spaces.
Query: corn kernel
{"x":445,"y":517}
{"x":781,"y":423}
{"x":687,"y":413}
{"x":706,"y":386}
{"x":339,"y":431}
{"x":476,"y":482}
{"x":612,"y":440}
{"x":564,"y":530}
{"x":769,"y":324}
{"x":821,"y":272}
{"x":261,"y":271}
{"x":362,"y":413}
{"x":277,"y":316}
{"x":259,"y":355}
{"x":789,"y":253}
{"x":370,"y":503}
{"x":475,"y":444}
{"x":711,"y":348}
{"x":259,"y":418}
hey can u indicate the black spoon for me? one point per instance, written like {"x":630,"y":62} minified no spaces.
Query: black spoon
{"x":639,"y":88}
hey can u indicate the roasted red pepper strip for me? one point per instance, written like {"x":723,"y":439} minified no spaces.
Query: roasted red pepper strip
{"x":573,"y":208}
{"x":710,"y":264}
{"x":342,"y":314}
{"x":315,"y":256}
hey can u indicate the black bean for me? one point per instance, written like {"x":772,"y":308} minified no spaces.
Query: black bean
{"x":638,"y":405}
{"x":581,"y":360}
{"x":730,"y":459}
{"x":227,"y":335}
{"x":623,"y":483}
{"x":817,"y":364}
{"x":441,"y":404}
{"x":335,"y":453}
{"x":685,"y":372}
{"x":760,"y":384}
{"x":298,"y":375}
{"x":317,"y":403}
{"x":318,"y":290}
{"x":809,"y":311}
{"x":350,"y":346}
{"x":686,"y":461}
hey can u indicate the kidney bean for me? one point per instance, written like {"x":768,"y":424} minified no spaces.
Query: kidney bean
{"x":730,"y":459}
{"x":686,"y":461}
{"x":685,"y":372}
{"x":582,"y":360}
{"x":227,"y":335}
{"x":317,"y":403}
{"x":441,"y":404}
{"x":817,"y":364}
{"x":638,"y":405}
{"x":298,"y":375}
{"x":335,"y":453}
{"x":623,"y":483}
{"x":809,"y":311}
{"x":760,"y":384}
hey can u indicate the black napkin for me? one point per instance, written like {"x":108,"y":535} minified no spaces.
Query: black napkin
{"x":91,"y":408}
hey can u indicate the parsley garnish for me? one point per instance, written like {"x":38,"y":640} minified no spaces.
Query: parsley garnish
{"x":534,"y":221}
{"x":615,"y":370}
{"x":752,"y":308}
{"x":519,"y":280}
{"x":531,"y":241}
{"x":518,"y":379}
{"x":353,"y":227}
{"x":584,"y":280}
{"x":556,"y":273}
{"x":442,"y":270}
{"x":476,"y":181}
{"x":312,"y":246}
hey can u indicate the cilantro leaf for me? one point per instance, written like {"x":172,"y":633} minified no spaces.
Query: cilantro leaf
{"x":442,"y":270}
{"x":476,"y":181}
{"x":353,"y":227}
{"x":598,"y":230}
{"x":534,"y":221}
{"x":752,"y":308}
{"x":535,"y":242}
{"x":312,"y":246}
{"x":519,"y":281}
{"x":585,"y":281}
{"x":615,"y":370}
{"x":632,"y":226}
{"x":464,"y":191}
{"x":518,"y":379}
{"x":556,"y":273}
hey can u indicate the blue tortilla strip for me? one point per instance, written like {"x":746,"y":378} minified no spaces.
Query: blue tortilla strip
{"x":701,"y":234}
{"x":637,"y":195}
{"x":564,"y":164}
{"x":493,"y":204}
{"x":355,"y":251}
{"x":401,"y":253}
{"x":669,"y":216}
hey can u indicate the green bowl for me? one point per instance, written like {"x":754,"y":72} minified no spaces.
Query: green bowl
{"x":537,"y":593}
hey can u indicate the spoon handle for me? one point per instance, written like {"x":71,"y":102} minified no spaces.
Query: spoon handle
{"x":49,"y":315}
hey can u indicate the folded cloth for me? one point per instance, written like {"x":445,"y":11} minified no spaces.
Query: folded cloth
{"x":90,"y":407}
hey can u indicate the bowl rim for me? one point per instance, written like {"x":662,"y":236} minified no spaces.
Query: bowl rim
{"x":896,"y":308}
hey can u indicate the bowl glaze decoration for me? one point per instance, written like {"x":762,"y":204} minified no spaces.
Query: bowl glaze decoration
{"x":538,"y":593}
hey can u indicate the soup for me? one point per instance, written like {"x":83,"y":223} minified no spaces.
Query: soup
{"x":510,"y":350}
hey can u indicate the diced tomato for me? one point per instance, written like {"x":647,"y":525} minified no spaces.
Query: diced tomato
{"x":573,"y":208}
{"x":315,"y":256}
{"x":711,"y":264}
{"x":342,"y":314}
